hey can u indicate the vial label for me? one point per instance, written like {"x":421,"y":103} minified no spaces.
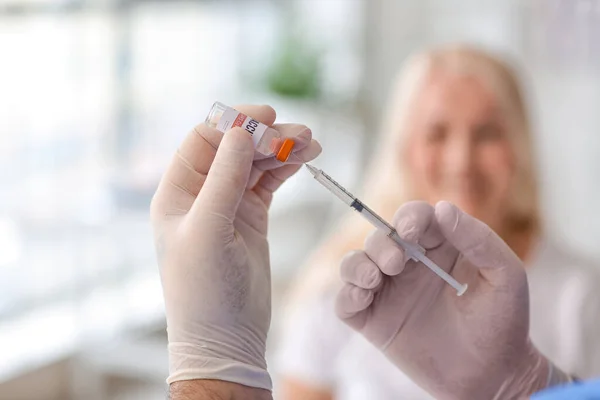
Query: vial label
{"x":232,"y":118}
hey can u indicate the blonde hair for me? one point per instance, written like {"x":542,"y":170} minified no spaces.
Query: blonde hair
{"x":389,"y":188}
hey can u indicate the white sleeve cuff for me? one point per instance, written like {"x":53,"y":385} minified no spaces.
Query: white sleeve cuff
{"x":222,"y":370}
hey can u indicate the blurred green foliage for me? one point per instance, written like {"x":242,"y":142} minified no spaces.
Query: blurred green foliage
{"x":295,"y":71}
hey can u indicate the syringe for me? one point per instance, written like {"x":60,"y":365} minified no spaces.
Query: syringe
{"x":414,"y":251}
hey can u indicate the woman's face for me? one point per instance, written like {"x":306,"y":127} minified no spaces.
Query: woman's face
{"x":458,"y":149}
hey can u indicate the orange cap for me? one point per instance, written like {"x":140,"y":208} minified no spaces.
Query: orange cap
{"x":285,"y":150}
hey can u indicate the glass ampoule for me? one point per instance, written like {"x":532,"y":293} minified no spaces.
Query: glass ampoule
{"x":267,"y":141}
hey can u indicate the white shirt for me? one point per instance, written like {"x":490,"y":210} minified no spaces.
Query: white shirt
{"x":318,"y":349}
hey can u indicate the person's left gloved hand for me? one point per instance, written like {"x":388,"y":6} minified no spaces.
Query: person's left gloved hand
{"x":209,"y":216}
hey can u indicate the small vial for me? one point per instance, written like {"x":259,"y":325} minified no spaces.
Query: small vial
{"x":267,"y":141}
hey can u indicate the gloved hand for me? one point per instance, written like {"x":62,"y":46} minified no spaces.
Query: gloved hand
{"x":471,"y":347}
{"x":209,"y":216}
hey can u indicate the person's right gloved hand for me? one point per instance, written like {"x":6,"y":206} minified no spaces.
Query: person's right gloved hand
{"x":471,"y":347}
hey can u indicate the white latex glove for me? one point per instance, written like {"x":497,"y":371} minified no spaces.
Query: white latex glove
{"x":471,"y":347}
{"x":210,"y":233}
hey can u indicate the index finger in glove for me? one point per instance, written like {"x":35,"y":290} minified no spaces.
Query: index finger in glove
{"x":415,"y":223}
{"x":386,"y":253}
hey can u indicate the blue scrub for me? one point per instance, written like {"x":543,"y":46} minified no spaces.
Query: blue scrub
{"x":578,"y":391}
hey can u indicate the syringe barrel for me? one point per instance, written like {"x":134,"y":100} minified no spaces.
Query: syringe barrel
{"x":370,"y":216}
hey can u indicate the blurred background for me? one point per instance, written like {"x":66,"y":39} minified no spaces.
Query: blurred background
{"x":95,"y":96}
